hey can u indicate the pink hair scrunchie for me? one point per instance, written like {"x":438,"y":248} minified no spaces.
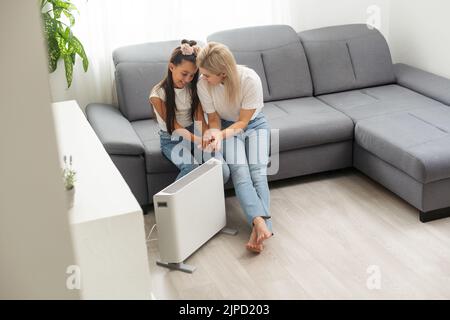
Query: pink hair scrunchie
{"x":186,"y":49}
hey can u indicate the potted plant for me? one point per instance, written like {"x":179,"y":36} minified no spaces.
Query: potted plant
{"x":69,"y":178}
{"x":58,"y":20}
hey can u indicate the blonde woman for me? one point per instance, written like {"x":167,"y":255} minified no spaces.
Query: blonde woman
{"x":232,"y":97}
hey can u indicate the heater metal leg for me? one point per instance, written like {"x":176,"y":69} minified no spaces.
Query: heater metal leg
{"x":229,"y":231}
{"x":177,"y":266}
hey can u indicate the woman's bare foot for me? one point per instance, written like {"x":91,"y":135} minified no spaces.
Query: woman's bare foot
{"x":262,"y":232}
{"x":252,"y":245}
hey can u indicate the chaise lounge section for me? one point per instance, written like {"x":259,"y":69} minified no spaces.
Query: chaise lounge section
{"x":402,"y":123}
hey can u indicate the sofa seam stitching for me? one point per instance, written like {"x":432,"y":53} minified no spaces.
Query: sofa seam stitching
{"x":351,"y":61}
{"x":268,"y":49}
{"x":287,"y":113}
{"x":341,"y":40}
{"x":431,"y":124}
{"x":265,"y":73}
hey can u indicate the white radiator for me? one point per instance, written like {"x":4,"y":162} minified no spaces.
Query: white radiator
{"x":188,"y":213}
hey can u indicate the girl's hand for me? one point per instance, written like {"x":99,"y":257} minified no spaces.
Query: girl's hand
{"x":198,"y":141}
{"x":208,"y":139}
{"x":206,"y":145}
{"x":216,"y":140}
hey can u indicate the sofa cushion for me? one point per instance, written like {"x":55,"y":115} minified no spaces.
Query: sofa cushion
{"x":253,"y":60}
{"x":416,"y":142}
{"x":134,"y":82}
{"x":155,"y":161}
{"x":333,"y":59}
{"x":138,"y":69}
{"x":114,"y":131}
{"x":307,"y":122}
{"x":347,"y":57}
{"x":276,"y":54}
{"x":377,"y":101}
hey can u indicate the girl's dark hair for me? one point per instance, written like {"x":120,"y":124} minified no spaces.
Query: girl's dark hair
{"x":177,"y":58}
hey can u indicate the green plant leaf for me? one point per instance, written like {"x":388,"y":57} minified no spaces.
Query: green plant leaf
{"x":53,"y":54}
{"x":61,"y":42}
{"x":68,"y":64}
{"x":70,"y":17}
{"x":65,"y":5}
{"x":49,"y":25}
{"x":67,"y":33}
{"x":43,"y":3}
{"x":53,"y":51}
{"x":57,"y":12}
{"x":79,"y":49}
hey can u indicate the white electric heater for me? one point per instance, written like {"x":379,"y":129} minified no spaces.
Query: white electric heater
{"x":188,"y":213}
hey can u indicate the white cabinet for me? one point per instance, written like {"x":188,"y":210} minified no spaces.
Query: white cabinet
{"x":106,"y":220}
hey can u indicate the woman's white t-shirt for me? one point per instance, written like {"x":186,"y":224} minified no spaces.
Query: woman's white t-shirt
{"x":213,"y":98}
{"x":183,"y":102}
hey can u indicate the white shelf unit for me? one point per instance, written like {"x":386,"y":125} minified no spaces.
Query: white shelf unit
{"x":107,"y":224}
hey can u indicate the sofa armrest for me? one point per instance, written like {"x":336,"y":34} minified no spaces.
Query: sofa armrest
{"x":114,"y":130}
{"x":426,"y":83}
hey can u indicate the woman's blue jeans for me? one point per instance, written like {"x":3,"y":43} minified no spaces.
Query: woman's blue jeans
{"x":247,"y":156}
{"x":185,"y":155}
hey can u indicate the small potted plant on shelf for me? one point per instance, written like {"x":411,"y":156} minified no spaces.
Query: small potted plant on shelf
{"x":69,"y":180}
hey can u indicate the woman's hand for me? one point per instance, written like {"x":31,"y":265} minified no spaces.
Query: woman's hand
{"x":212,"y":140}
{"x":216,"y":141}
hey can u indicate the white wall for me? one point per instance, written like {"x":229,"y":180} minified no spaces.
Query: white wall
{"x":300,"y":14}
{"x":35,"y":243}
{"x":309,"y":14}
{"x":420,"y":34}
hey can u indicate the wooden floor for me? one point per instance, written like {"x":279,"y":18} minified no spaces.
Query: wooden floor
{"x":338,"y":235}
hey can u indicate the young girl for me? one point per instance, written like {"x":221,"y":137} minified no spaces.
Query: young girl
{"x":232,"y":96}
{"x":177,"y":109}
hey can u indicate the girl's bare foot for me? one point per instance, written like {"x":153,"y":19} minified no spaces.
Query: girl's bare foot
{"x":252,"y":244}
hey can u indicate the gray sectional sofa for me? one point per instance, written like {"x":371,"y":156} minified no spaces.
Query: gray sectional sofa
{"x":333,"y":93}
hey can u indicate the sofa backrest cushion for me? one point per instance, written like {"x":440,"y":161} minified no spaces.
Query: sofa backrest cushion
{"x":347,"y":57}
{"x":277,"y":56}
{"x":138,"y":69}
